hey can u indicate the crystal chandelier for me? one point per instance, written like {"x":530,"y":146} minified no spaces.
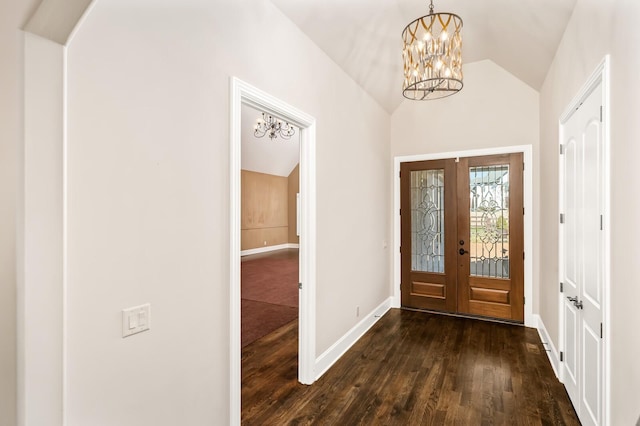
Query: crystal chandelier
{"x":432,"y":54}
{"x":271,"y":126}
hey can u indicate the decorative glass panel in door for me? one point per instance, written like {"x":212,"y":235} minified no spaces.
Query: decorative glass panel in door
{"x":427,"y":220}
{"x":489,"y":221}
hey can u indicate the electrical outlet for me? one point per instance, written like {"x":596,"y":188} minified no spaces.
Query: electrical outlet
{"x":136,"y":319}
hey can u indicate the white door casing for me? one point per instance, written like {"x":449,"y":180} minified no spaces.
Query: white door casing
{"x":583,"y":252}
{"x":243,"y":93}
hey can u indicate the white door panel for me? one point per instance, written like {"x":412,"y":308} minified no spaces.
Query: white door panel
{"x":571,"y":350}
{"x":591,"y":377}
{"x":582,"y":251}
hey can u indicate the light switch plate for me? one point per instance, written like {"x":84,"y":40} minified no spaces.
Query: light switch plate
{"x":136,"y":319}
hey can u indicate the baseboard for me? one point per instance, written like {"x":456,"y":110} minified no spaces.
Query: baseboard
{"x":268,"y":249}
{"x":552,"y":353}
{"x":333,"y":354}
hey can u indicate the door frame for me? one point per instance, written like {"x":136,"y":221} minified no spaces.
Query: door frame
{"x":244,"y":93}
{"x":601,"y":75}
{"x":527,"y":151}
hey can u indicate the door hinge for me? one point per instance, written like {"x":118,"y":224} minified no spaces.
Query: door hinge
{"x":561,"y":356}
{"x":300,"y":286}
{"x":561,"y":149}
{"x":601,"y":113}
{"x":523,"y":211}
{"x":561,"y":217}
{"x":400,"y":212}
{"x":400,"y":174}
{"x":601,"y":222}
{"x":522,"y":255}
{"x":601,"y":330}
{"x":523,"y":165}
{"x":524,"y":300}
{"x":561,"y":287}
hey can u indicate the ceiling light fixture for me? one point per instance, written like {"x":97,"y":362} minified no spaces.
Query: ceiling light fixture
{"x":271,"y":126}
{"x":432,"y":54}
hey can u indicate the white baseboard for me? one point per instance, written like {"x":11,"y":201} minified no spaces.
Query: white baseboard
{"x":339,"y":348}
{"x":552,"y":353}
{"x":268,"y":249}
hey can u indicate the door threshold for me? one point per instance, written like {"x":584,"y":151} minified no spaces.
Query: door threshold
{"x":466,"y":316}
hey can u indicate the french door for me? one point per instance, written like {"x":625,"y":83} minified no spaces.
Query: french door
{"x":462,"y":245}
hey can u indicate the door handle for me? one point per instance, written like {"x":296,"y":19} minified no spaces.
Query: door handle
{"x":576,"y":303}
{"x":462,"y":251}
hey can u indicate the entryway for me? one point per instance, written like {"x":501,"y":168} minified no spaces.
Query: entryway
{"x":462,"y":236}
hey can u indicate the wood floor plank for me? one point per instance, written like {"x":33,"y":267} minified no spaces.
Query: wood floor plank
{"x":411,"y":368}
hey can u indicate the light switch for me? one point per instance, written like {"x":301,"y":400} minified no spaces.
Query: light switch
{"x":133,"y":322}
{"x":136,"y":319}
{"x":142,"y":318}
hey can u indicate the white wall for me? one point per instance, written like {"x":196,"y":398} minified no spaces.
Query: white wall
{"x":148,"y":202}
{"x":13,"y":15}
{"x":494,"y":109}
{"x":598,"y":28}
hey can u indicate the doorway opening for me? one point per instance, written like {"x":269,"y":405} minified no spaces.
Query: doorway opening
{"x":245,"y":94}
{"x":527,"y":177}
{"x":269,"y":231}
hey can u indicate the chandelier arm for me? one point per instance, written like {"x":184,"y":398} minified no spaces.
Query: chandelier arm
{"x":273,"y":127}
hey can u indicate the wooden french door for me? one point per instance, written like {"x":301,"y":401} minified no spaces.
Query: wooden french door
{"x":462,"y":236}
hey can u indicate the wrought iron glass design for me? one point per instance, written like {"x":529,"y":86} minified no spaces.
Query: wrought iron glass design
{"x":489,"y":221}
{"x":427,"y":220}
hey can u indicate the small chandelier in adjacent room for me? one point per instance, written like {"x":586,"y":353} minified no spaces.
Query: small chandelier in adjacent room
{"x":271,"y":126}
{"x":432,"y":54}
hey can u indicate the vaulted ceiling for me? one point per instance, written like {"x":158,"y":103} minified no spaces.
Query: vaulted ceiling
{"x":364,"y":36}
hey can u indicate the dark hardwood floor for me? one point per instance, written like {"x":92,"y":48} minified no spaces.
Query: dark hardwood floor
{"x":411,"y":368}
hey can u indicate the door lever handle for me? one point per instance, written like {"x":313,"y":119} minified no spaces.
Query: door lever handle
{"x":579,"y":304}
{"x":572,"y":299}
{"x":462,"y":251}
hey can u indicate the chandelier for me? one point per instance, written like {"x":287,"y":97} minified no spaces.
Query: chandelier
{"x":432,"y":55}
{"x":271,"y":126}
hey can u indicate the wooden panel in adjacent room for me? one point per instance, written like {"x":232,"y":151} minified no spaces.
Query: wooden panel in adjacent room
{"x":263,"y":237}
{"x":264,"y":214}
{"x":294,"y":188}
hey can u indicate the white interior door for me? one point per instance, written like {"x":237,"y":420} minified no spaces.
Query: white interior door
{"x":583,"y":256}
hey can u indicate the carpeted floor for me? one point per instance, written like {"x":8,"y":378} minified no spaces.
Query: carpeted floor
{"x":269,"y":293}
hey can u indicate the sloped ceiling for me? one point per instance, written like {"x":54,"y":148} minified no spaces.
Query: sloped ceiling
{"x":364,"y":36}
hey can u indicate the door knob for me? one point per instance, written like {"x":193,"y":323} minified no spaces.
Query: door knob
{"x":462,"y":251}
